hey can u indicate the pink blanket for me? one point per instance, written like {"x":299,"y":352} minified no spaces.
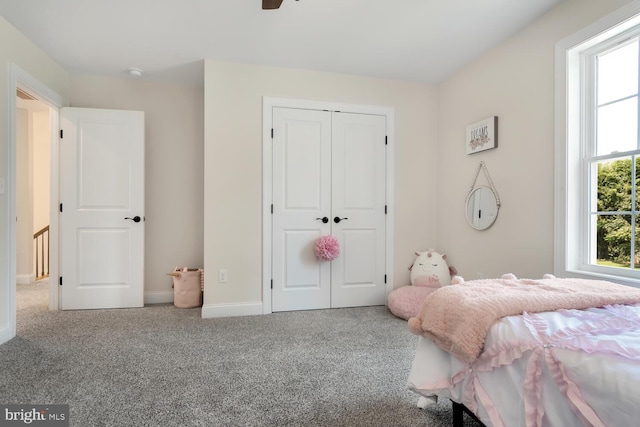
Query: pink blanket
{"x":458,"y":317}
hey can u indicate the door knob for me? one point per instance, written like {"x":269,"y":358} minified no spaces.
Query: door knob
{"x":338,"y":219}
{"x":323,"y":219}
{"x":134,"y":219}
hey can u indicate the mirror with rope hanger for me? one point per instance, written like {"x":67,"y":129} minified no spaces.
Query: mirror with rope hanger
{"x":482,"y":203}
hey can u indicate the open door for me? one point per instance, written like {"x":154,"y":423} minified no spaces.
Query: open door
{"x":101,"y":208}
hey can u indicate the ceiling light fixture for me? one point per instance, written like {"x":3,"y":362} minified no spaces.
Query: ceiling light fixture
{"x":136,"y":72}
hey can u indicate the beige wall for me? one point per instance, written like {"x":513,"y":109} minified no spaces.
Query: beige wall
{"x":514,"y":81}
{"x":41,"y":168}
{"x":33,"y":140}
{"x":17,"y":49}
{"x":173,"y":169}
{"x":24,"y":197}
{"x":233,"y":165}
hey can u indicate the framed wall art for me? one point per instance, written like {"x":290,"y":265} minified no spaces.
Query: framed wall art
{"x":482,"y":135}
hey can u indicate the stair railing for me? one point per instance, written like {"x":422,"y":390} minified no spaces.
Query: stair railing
{"x":41,"y":241}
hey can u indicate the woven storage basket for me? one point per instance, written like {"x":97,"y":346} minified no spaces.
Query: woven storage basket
{"x":188,"y":285}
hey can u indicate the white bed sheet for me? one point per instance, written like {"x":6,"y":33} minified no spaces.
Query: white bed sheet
{"x":560,"y":369}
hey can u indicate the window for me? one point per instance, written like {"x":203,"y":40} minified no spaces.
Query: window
{"x":597,"y":190}
{"x":611,"y":149}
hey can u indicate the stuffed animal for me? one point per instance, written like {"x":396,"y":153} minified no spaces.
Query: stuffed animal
{"x":428,"y":272}
{"x":430,"y":269}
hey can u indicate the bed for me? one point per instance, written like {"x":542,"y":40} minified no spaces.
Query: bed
{"x":566,"y":353}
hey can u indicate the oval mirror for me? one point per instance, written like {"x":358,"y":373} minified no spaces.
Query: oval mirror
{"x":482,"y":208}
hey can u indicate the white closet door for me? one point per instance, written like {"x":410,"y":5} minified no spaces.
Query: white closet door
{"x":328,"y":166}
{"x":301,"y":194}
{"x":358,"y":203}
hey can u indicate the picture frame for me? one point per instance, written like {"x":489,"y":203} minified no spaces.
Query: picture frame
{"x":482,"y":135}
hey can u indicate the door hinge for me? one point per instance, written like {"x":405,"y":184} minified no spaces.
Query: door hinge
{"x":385,"y":209}
{"x":385,"y":278}
{"x":271,"y":133}
{"x":271,"y":283}
{"x":60,"y":280}
{"x":272,"y":208}
{"x":386,"y":140}
{"x":60,"y":207}
{"x":61,"y":133}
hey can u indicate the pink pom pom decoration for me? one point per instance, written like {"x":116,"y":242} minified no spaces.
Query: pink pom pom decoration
{"x":327,"y":248}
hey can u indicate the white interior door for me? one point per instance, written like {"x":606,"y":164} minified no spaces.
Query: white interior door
{"x":358,"y":209}
{"x":301,"y":195}
{"x":326,"y":166}
{"x":102,"y":208}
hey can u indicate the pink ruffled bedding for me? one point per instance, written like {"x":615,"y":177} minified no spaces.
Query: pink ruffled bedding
{"x":564,"y":368}
{"x":458,"y":317}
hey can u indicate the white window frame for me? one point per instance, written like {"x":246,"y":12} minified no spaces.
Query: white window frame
{"x":571,"y":249}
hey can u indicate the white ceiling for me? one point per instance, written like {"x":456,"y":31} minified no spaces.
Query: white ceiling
{"x":415,"y":40}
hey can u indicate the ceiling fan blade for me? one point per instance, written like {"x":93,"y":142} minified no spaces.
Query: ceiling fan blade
{"x":271,"y":4}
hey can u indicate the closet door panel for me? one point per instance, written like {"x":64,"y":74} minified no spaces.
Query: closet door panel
{"x":301,"y":194}
{"x":358,"y":209}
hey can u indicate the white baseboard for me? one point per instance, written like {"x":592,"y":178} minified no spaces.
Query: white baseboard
{"x":25,"y":279}
{"x":232,"y":310}
{"x":5,"y":334}
{"x":158,"y":297}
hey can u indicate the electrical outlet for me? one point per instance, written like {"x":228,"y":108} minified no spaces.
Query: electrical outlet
{"x":222,"y":276}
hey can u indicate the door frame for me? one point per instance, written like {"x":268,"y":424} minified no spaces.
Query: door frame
{"x":18,"y":78}
{"x":268,"y":103}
